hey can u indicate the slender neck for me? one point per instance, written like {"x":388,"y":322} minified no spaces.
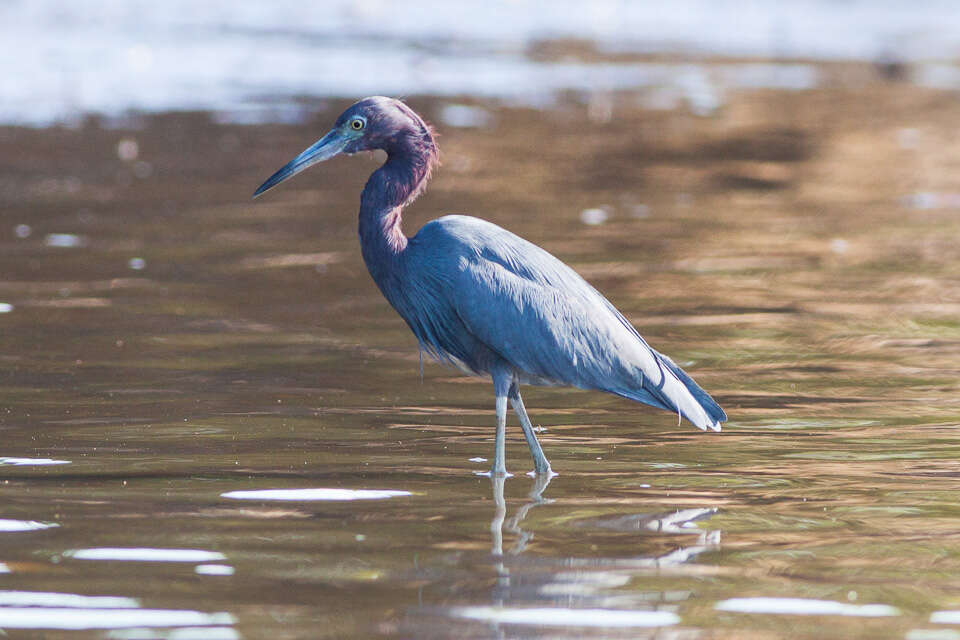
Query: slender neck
{"x":391,"y":187}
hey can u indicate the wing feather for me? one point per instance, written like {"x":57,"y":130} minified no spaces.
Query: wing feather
{"x":548,"y":323}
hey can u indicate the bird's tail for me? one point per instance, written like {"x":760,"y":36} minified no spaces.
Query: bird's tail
{"x":678,"y":392}
{"x":713,"y":414}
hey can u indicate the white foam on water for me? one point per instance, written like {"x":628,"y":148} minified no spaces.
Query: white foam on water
{"x":76,"y":619}
{"x":314,"y":494}
{"x":25,"y":462}
{"x":144,"y":555}
{"x":64,"y":600}
{"x":558,"y":617}
{"x":7,"y":526}
{"x":805,"y":607}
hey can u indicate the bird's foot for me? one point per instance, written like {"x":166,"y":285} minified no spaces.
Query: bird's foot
{"x":547,"y":471}
{"x":500,"y":473}
{"x":493,"y":473}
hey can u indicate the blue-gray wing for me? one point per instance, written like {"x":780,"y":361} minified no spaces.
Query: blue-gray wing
{"x":549,"y":324}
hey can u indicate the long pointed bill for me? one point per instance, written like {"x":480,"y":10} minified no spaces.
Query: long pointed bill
{"x":323,"y":149}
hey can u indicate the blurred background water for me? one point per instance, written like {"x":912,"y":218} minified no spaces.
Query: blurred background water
{"x":255,"y":62}
{"x":213,"y":426}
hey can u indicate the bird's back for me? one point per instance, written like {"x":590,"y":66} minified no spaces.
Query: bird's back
{"x":477,"y":295}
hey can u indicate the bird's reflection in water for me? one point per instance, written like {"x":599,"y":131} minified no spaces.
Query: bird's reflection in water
{"x":681,"y":521}
{"x":580,"y":592}
{"x":501,"y":592}
{"x":540,"y":483}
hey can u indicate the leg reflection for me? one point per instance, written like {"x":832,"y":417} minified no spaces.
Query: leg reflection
{"x":540,"y":483}
{"x":552,"y":590}
{"x":501,"y":593}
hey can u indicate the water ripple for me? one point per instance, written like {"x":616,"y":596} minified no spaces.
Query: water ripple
{"x":805,"y":607}
{"x":75,"y":619}
{"x":557,"y":617}
{"x":145,"y":555}
{"x":24,"y":525}
{"x":64,"y":600}
{"x":26,"y":462}
{"x":314,"y":494}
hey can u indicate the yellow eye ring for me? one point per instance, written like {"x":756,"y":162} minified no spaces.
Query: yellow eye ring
{"x":356,"y":124}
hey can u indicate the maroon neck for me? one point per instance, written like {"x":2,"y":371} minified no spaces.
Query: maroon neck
{"x":410,"y":160}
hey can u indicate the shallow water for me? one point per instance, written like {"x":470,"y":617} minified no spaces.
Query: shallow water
{"x":169,"y":345}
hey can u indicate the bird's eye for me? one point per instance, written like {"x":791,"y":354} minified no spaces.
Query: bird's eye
{"x":357,"y":124}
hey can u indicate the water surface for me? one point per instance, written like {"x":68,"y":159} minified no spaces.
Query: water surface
{"x":169,"y":346}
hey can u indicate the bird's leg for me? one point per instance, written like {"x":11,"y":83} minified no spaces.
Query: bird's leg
{"x":499,"y":454}
{"x":540,"y":463}
{"x":502,"y":379}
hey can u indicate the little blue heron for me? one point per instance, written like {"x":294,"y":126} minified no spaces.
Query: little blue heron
{"x":485,"y":300}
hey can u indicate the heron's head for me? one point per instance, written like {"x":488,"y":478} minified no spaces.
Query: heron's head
{"x":372,"y":123}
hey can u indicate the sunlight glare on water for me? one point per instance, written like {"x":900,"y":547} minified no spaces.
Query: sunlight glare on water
{"x":183,"y":633}
{"x":145,"y":555}
{"x":7,"y":525}
{"x":70,"y":600}
{"x":26,"y":462}
{"x":804,"y":607}
{"x":214,"y":570}
{"x":556,"y":617}
{"x":314,"y":494}
{"x":58,"y":618}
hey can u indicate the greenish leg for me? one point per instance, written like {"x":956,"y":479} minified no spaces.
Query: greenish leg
{"x":540,"y":463}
